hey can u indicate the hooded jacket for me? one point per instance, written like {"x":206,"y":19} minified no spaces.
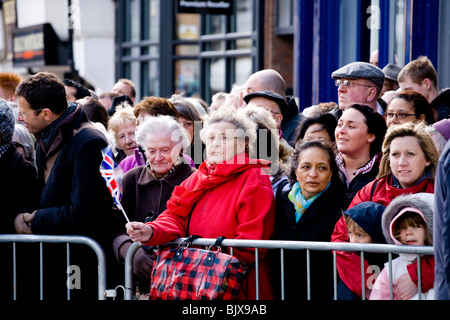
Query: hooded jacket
{"x":368,"y":216}
{"x":420,"y":203}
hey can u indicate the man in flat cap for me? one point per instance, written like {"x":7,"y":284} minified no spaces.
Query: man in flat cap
{"x":359,"y":82}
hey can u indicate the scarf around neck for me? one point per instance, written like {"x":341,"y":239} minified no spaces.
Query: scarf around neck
{"x":299,"y":200}
{"x":49,"y":133}
{"x":183,"y":200}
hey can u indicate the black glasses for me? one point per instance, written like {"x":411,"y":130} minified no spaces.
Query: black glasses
{"x":400,"y":115}
{"x":349,"y":84}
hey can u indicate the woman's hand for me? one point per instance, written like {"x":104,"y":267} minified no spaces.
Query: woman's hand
{"x":139,"y":232}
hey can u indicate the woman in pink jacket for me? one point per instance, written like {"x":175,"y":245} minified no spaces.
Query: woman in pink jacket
{"x":230,"y":195}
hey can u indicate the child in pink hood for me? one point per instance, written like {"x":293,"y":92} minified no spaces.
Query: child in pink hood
{"x":408,"y":220}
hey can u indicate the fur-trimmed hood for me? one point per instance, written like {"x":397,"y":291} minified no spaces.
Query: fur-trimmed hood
{"x":422,"y":203}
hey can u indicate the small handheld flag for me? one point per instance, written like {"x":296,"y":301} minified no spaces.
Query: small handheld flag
{"x":112,"y":174}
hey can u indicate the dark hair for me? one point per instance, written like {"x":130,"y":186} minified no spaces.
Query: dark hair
{"x":376,"y":125}
{"x":301,"y":146}
{"x":419,"y":103}
{"x":327,"y":120}
{"x":81,"y":91}
{"x":95,"y":111}
{"x":43,"y":90}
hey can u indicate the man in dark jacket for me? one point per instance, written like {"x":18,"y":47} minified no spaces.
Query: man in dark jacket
{"x":74,"y":199}
{"x":421,"y":76}
{"x":441,"y":224}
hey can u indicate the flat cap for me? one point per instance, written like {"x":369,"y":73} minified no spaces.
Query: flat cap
{"x":391,"y":71}
{"x":360,"y":70}
{"x":271,"y":96}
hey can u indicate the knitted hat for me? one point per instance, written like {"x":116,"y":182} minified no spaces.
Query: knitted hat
{"x":360,"y":70}
{"x":443,"y":126}
{"x":7,"y":123}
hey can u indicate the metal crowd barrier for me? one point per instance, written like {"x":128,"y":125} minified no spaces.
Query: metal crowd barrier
{"x":14,"y":238}
{"x":294,"y":245}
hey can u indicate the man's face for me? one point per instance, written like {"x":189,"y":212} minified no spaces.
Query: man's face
{"x":122,"y":88}
{"x":421,"y":88}
{"x":33,"y":119}
{"x":270,"y":106}
{"x":358,"y":92}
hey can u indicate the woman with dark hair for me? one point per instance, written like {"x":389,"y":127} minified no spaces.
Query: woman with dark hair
{"x":192,"y":122}
{"x":359,"y":136}
{"x":309,"y":212}
{"x":320,"y":127}
{"x":409,"y":106}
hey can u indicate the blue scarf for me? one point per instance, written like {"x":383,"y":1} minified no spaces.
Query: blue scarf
{"x":299,"y":200}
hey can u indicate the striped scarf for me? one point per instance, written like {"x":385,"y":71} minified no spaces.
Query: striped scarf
{"x":299,"y":200}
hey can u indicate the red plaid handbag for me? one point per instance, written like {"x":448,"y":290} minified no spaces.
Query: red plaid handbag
{"x":187,"y":273}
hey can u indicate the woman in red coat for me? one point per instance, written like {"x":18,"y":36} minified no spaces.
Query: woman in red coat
{"x":408,"y":166}
{"x":230,"y":195}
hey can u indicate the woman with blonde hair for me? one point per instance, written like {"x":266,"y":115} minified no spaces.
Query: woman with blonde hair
{"x":122,"y":126}
{"x":408,"y":166}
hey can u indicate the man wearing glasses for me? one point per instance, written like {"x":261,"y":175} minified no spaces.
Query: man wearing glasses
{"x":359,"y":82}
{"x":74,"y":199}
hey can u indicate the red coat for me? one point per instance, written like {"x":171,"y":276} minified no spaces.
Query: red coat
{"x":349,"y":263}
{"x":235,"y":201}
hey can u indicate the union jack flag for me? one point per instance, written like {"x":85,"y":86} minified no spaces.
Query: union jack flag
{"x":112,"y":174}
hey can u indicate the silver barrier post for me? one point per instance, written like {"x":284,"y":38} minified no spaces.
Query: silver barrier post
{"x":129,"y":270}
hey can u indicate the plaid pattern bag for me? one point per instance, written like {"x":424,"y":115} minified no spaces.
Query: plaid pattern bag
{"x":186,"y":273}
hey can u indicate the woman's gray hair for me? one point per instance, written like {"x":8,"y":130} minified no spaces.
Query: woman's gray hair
{"x":245,"y":128}
{"x":162,"y":125}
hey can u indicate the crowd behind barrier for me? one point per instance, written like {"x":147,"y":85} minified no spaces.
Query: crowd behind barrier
{"x":103,"y":292}
{"x":291,"y":245}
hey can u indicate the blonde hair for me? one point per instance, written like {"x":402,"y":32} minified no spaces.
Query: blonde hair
{"x":124,"y":115}
{"x":409,"y":129}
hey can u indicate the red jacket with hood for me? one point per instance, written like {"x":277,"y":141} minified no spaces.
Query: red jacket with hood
{"x":349,"y":263}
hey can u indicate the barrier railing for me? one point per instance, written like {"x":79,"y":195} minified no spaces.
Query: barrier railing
{"x":294,"y":245}
{"x":13,"y":238}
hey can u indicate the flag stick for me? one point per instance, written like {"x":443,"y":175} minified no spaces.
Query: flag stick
{"x":123,"y":211}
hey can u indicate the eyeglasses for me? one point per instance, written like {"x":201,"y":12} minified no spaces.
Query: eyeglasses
{"x":21,"y":115}
{"x":349,"y":84}
{"x":400,"y":115}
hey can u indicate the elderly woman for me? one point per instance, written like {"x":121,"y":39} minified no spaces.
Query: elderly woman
{"x":359,"y":135}
{"x":409,"y":106}
{"x":147,"y":107}
{"x":146,"y":189}
{"x":408,"y":166}
{"x":309,"y":212}
{"x":229,"y":195}
{"x":122,"y":125}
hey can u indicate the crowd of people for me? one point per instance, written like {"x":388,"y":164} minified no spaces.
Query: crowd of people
{"x":248,"y":166}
